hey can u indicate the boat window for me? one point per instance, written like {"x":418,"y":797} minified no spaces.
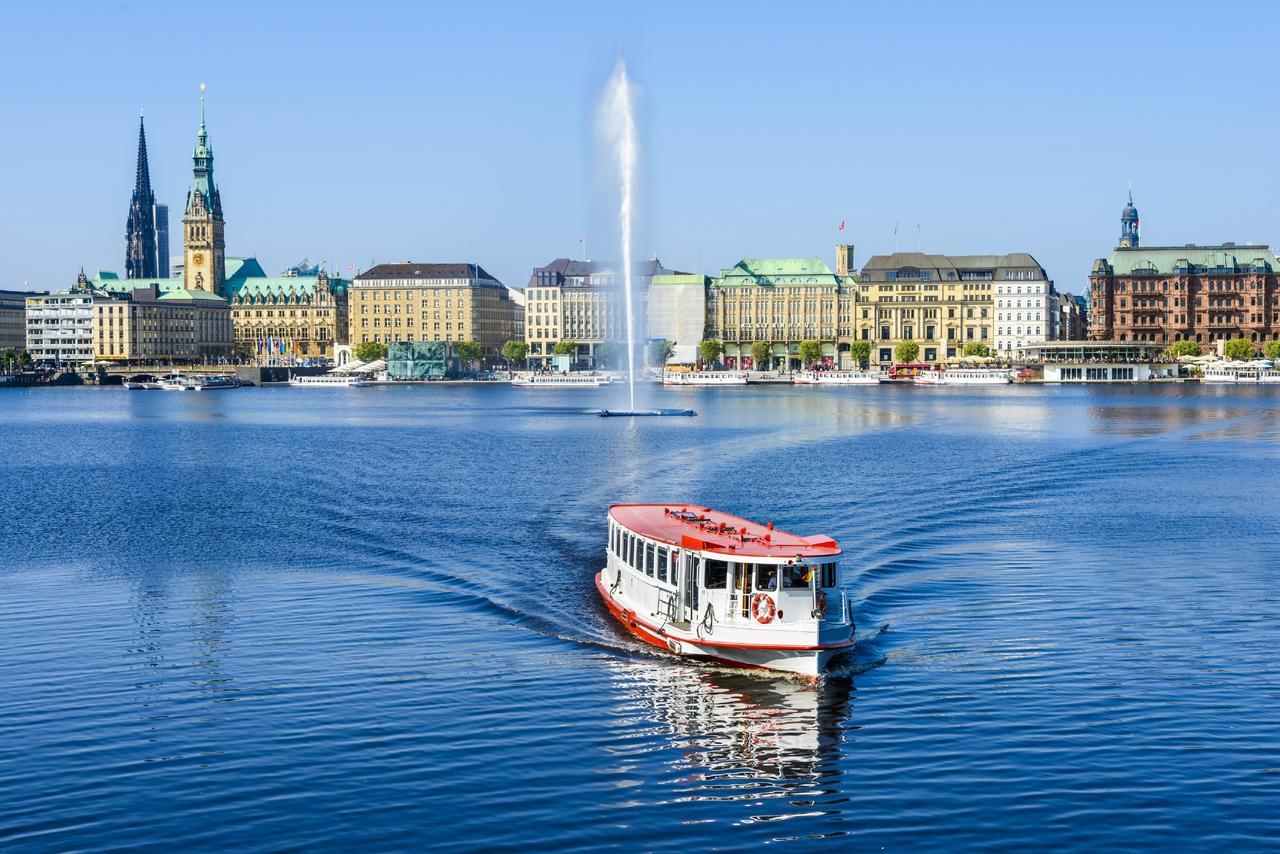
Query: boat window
{"x":796,"y":576}
{"x":649,"y":562}
{"x":766,"y":576}
{"x":828,"y":575}
{"x":715,"y":575}
{"x":662,"y":564}
{"x":631,"y":551}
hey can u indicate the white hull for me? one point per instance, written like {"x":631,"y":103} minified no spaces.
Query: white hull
{"x":1241,"y":376}
{"x":835,"y":378}
{"x":560,"y":381}
{"x":704,"y":379}
{"x":329,"y":382}
{"x":962,"y":378}
{"x":745,"y":646}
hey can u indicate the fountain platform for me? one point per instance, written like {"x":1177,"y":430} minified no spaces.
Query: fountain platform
{"x":633,"y":413}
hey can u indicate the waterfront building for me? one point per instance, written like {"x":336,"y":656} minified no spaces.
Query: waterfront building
{"x":582,"y":302}
{"x":677,"y":312}
{"x":1102,"y":361}
{"x":150,"y":325}
{"x":780,"y":302}
{"x":203,"y":243}
{"x":273,"y":317}
{"x":412,"y":302}
{"x":60,"y":325}
{"x":140,"y":230}
{"x":421,"y":360}
{"x":1204,"y":294}
{"x":301,"y":315}
{"x":941,"y":302}
{"x":13,"y":318}
{"x":1026,"y":306}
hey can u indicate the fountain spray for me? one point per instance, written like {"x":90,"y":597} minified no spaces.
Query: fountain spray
{"x":618,"y":126}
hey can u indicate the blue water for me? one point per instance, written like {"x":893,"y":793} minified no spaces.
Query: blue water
{"x":292,"y":618}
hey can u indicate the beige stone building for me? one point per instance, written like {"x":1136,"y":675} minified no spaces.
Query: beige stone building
{"x":432,"y":302}
{"x":145,"y":326}
{"x":941,"y":302}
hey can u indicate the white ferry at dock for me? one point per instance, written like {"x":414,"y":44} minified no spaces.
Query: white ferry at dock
{"x":963,"y":376}
{"x":704,"y":378}
{"x":330,"y":381}
{"x":835,"y":378}
{"x":1240,"y":372}
{"x":711,"y":586}
{"x":199,"y":382}
{"x":562,"y":380}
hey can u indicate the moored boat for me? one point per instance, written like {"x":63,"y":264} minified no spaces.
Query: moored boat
{"x":712,"y":586}
{"x":330,"y":381}
{"x":704,"y":378}
{"x":1240,"y":372}
{"x":199,"y":382}
{"x":562,"y":380}
{"x":963,"y":376}
{"x":835,"y":378}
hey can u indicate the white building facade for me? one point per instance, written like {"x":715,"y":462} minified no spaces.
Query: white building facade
{"x":1026,"y":309}
{"x":60,"y":327}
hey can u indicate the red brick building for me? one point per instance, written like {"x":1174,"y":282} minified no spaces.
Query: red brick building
{"x":1164,"y":294}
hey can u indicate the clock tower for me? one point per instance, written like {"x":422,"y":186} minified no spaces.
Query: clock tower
{"x":204,"y":265}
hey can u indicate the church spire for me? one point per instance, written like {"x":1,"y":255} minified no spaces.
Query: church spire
{"x":1129,"y":223}
{"x":140,"y":232}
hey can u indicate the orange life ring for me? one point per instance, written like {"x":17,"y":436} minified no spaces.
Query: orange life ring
{"x":762,"y":608}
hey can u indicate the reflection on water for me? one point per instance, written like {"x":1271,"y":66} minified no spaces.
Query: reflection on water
{"x":740,"y":735}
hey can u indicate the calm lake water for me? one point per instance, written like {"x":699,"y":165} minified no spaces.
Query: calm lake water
{"x":293,"y":618}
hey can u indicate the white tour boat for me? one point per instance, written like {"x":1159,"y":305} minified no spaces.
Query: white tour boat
{"x":142,"y":385}
{"x":963,"y":376}
{"x":712,"y":586}
{"x":704,"y":378}
{"x":562,"y":380}
{"x":330,"y":381}
{"x":199,"y":382}
{"x":1240,"y":372}
{"x":835,"y":378}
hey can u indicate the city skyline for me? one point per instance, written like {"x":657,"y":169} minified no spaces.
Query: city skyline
{"x":501,"y":169}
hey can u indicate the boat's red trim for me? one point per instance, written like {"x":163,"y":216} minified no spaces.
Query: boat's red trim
{"x":720,"y":533}
{"x":648,"y":632}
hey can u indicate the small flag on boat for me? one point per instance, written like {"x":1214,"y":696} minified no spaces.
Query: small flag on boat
{"x":842,"y":225}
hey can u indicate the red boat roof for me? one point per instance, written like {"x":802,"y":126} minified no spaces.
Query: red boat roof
{"x":692,"y":527}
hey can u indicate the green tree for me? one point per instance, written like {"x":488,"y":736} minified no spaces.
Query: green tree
{"x":1271,"y":350}
{"x":810,"y":352}
{"x":608,"y":353}
{"x":242,"y":351}
{"x":860,"y":351}
{"x":660,"y":352}
{"x":8,"y":359}
{"x":25,"y":360}
{"x":515,"y":352}
{"x":370,"y":351}
{"x":1184,"y":348}
{"x":710,"y":350}
{"x":470,"y":352}
{"x":565,"y":348}
{"x":907,"y":351}
{"x":761,"y":355}
{"x":1239,"y":350}
{"x":976,"y":348}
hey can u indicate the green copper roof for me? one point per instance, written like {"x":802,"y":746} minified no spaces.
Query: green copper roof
{"x":181,"y":293}
{"x":1167,"y":260}
{"x":780,"y":272}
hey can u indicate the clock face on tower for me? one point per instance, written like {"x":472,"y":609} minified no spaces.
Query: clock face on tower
{"x":197,"y":258}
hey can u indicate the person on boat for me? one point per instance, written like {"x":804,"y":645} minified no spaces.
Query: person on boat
{"x":766,"y":577}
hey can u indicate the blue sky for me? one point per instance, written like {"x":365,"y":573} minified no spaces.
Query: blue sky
{"x":465,"y":131}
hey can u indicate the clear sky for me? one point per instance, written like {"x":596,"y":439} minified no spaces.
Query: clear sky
{"x":465,"y":131}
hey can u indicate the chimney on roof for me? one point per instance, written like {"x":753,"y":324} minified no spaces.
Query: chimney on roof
{"x":844,"y":259}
